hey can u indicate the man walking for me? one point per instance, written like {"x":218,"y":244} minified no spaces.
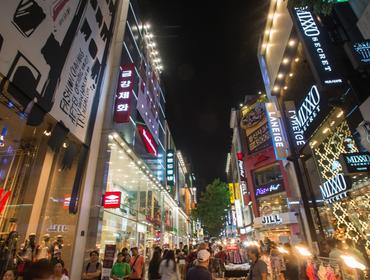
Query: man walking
{"x":258,"y":270}
{"x":200,"y":270}
{"x":137,"y":264}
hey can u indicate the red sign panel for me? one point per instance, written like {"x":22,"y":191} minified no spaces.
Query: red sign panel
{"x":112,"y":200}
{"x":148,"y":140}
{"x":122,"y":107}
{"x":4,"y":197}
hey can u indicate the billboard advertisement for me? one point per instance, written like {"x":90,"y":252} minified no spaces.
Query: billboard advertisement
{"x":54,"y":54}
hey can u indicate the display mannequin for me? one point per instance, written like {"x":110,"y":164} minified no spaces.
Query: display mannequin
{"x":57,"y":245}
{"x":28,"y":250}
{"x":43,"y":250}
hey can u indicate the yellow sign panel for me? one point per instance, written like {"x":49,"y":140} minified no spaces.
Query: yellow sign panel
{"x":237,"y":191}
{"x":232,"y":194}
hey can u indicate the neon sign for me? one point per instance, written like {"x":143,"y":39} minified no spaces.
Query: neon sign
{"x":148,"y":140}
{"x":295,"y":128}
{"x":274,"y":187}
{"x":122,"y":107}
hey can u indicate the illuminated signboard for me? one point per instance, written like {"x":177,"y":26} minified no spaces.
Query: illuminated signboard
{"x":359,"y":53}
{"x":295,"y":128}
{"x":239,"y":214}
{"x":112,"y":200}
{"x":122,"y":107}
{"x":170,"y":167}
{"x":279,"y":138}
{"x":355,"y":162}
{"x":317,"y":45}
{"x":335,"y":188}
{"x":4,"y":197}
{"x":271,"y":188}
{"x":243,"y":178}
{"x":272,"y":219}
{"x":231,"y":193}
{"x":148,"y":140}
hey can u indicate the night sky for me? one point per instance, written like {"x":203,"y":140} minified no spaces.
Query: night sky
{"x":209,"y":54}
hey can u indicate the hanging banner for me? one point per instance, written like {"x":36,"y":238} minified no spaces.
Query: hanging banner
{"x":279,"y":139}
{"x":122,"y":106}
{"x":318,"y":47}
{"x":54,"y":54}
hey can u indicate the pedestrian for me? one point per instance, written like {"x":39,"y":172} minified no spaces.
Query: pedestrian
{"x":93,"y":268}
{"x":291,"y":263}
{"x":59,"y":272}
{"x":185,"y":250}
{"x":277,"y":264}
{"x":258,"y":269}
{"x":40,"y":270}
{"x":9,"y":275}
{"x":165,"y":251}
{"x":126,"y":255}
{"x":153,"y":270}
{"x":57,"y":258}
{"x":200,"y":270}
{"x":180,"y":256}
{"x":190,"y":259}
{"x":121,"y":269}
{"x":137,"y":264}
{"x":221,"y":255}
{"x":167,"y":268}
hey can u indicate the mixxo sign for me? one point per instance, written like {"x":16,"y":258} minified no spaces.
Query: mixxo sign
{"x":122,"y":107}
{"x":277,"y":132}
{"x":317,"y":45}
{"x":170,"y":167}
{"x":274,"y":187}
{"x":335,"y":189}
{"x":355,"y":162}
{"x":112,"y":200}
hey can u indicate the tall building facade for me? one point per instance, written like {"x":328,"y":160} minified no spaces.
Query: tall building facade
{"x":315,"y":72}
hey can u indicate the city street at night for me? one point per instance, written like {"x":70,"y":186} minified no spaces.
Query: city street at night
{"x":184,"y":140}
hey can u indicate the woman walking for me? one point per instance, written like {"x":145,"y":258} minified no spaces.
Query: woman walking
{"x":167,"y":268}
{"x":153,"y":271}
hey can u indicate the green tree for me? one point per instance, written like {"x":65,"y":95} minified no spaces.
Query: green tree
{"x":212,"y":206}
{"x":319,"y":6}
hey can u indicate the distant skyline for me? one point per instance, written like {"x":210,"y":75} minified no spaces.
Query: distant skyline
{"x":209,"y":55}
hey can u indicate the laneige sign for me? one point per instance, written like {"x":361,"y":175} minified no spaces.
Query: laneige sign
{"x":309,"y":108}
{"x":316,"y":43}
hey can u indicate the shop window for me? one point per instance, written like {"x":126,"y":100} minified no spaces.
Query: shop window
{"x":273,"y":204}
{"x":267,"y":175}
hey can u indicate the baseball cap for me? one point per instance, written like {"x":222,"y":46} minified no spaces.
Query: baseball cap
{"x":203,"y":255}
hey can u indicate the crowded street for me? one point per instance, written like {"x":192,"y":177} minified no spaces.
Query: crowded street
{"x":184,"y":140}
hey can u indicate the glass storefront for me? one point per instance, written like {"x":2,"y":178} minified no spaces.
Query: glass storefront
{"x":35,"y":188}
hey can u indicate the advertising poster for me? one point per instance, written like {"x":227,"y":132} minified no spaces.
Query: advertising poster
{"x":254,"y":121}
{"x":54,"y":53}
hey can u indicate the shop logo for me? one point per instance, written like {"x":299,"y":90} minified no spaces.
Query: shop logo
{"x":294,"y":124}
{"x":4,"y":197}
{"x":112,"y":200}
{"x":334,"y":189}
{"x":269,"y":189}
{"x":355,"y":162}
{"x":272,"y":219}
{"x":309,"y":108}
{"x":170,"y":167}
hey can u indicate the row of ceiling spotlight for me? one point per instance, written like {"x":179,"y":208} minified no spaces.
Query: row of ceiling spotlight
{"x":153,"y":52}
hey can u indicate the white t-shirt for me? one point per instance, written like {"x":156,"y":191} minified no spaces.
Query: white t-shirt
{"x":168,"y":272}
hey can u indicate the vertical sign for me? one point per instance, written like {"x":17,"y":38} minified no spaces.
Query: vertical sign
{"x":243,"y":178}
{"x":108,"y":260}
{"x":4,"y":197}
{"x":279,"y":138}
{"x":315,"y":41}
{"x":239,"y":214}
{"x":170,"y":167}
{"x":231,"y":192}
{"x":295,"y":128}
{"x":122,"y":107}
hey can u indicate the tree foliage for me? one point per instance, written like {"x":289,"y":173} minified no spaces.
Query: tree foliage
{"x":319,"y":6}
{"x":212,"y":206}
